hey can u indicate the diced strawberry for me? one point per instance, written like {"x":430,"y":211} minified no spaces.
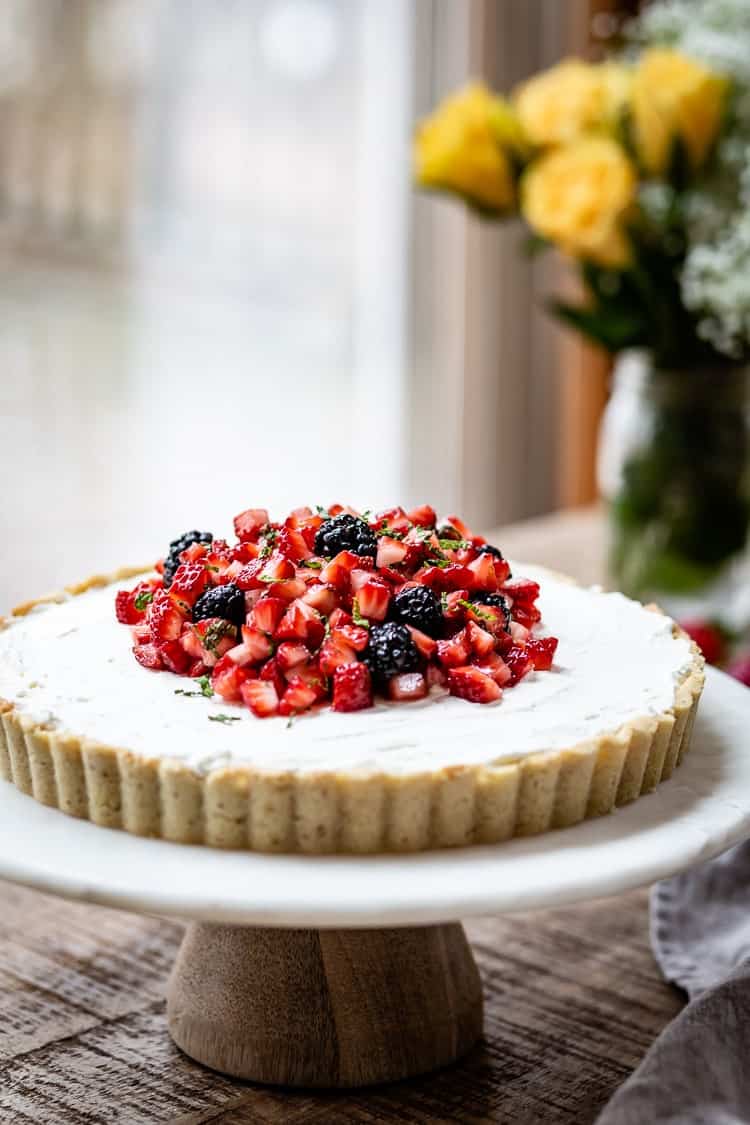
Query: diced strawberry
{"x":352,"y":687}
{"x":519,"y":662}
{"x":373,"y":598}
{"x":521,"y":590}
{"x":249,"y":577}
{"x":227,"y":678}
{"x":451,"y":577}
{"x":455,"y":651}
{"x":502,"y":570}
{"x":426,"y":645}
{"x":188,"y":583}
{"x":148,"y":656}
{"x":261,"y":697}
{"x":334,"y":653}
{"x":277,"y":569}
{"x":131,"y":605}
{"x":195,"y":552}
{"x":472,"y":684}
{"x":526,"y":615}
{"x":340,"y":617}
{"x":493,"y":665}
{"x":436,"y":676}
{"x":356,"y":636}
{"x":489,"y":617}
{"x":301,"y":623}
{"x":310,"y":675}
{"x":208,"y":640}
{"x":480,"y":641}
{"x":483,"y":573}
{"x":141,"y":633}
{"x":337,"y":572}
{"x":459,"y":525}
{"x":358,"y":577}
{"x":519,"y":633}
{"x":197,"y":668}
{"x":267,"y":613}
{"x":271,"y":672}
{"x":290,"y":589}
{"x":240,"y":654}
{"x":244,"y":552}
{"x":174,"y":657}
{"x":306,"y":523}
{"x":292,"y":544}
{"x":408,"y":685}
{"x":453,"y":609}
{"x":249,"y":524}
{"x":217,"y":562}
{"x":542,"y":652}
{"x":291,"y":653}
{"x":297,"y":697}
{"x":257,"y":643}
{"x":322,"y":598}
{"x":164,"y":618}
{"x":390,"y":551}
{"x":388,"y":574}
{"x":423,"y":517}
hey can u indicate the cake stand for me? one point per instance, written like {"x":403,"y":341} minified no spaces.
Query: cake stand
{"x":344,"y":970}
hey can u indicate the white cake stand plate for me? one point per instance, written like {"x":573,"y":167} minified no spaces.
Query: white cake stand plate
{"x":345,"y":970}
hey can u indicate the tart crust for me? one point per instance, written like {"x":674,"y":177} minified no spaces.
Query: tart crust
{"x":238,"y":807}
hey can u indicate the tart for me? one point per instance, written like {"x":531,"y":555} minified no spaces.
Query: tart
{"x":341,"y":682}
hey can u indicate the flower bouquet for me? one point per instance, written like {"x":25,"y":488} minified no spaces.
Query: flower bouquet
{"x":637,"y":169}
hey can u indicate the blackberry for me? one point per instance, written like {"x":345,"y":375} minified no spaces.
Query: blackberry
{"x":418,"y":606}
{"x":221,"y":601}
{"x":483,"y":597}
{"x":448,"y":531}
{"x":345,"y":533}
{"x":177,"y":546}
{"x":391,"y":651}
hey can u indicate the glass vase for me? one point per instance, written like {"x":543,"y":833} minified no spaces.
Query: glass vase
{"x":674,"y":465}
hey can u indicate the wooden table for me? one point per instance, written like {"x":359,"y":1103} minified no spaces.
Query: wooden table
{"x":573,"y":999}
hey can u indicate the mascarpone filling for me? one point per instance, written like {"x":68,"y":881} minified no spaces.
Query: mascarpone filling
{"x":70,"y":666}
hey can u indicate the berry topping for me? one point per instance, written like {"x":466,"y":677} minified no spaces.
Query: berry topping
{"x":418,"y":606}
{"x":330,"y":607}
{"x":346,"y":533}
{"x":221,"y":601}
{"x":177,"y":546}
{"x":391,"y":651}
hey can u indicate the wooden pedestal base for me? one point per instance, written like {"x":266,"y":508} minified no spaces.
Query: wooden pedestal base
{"x":325,"y":1007}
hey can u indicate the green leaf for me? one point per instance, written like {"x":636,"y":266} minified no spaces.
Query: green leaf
{"x":223,"y":718}
{"x":610,"y":329}
{"x":143,"y":599}
{"x":357,"y":617}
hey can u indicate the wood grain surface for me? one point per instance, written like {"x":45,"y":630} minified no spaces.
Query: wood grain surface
{"x":572,"y":1001}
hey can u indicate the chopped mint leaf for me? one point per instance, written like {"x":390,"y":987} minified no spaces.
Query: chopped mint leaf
{"x":268,"y":538}
{"x":384,"y":530}
{"x":183,"y":691}
{"x":454,"y":544}
{"x":143,"y":599}
{"x":214,"y":634}
{"x":437,"y":560}
{"x":311,"y":564}
{"x":444,"y":602}
{"x":423,"y":533}
{"x":205,"y":684}
{"x":269,"y":579}
{"x":321,"y":510}
{"x":290,"y":721}
{"x":357,"y":616}
{"x":223,"y":718}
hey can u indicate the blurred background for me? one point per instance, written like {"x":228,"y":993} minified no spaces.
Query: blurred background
{"x":218,"y":288}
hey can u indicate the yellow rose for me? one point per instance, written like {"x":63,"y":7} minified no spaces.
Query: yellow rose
{"x":675,"y":97}
{"x":468,"y":146}
{"x":571,"y":98}
{"x":578,"y":197}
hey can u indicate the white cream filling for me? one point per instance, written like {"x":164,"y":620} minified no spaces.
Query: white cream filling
{"x":71,"y":666}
